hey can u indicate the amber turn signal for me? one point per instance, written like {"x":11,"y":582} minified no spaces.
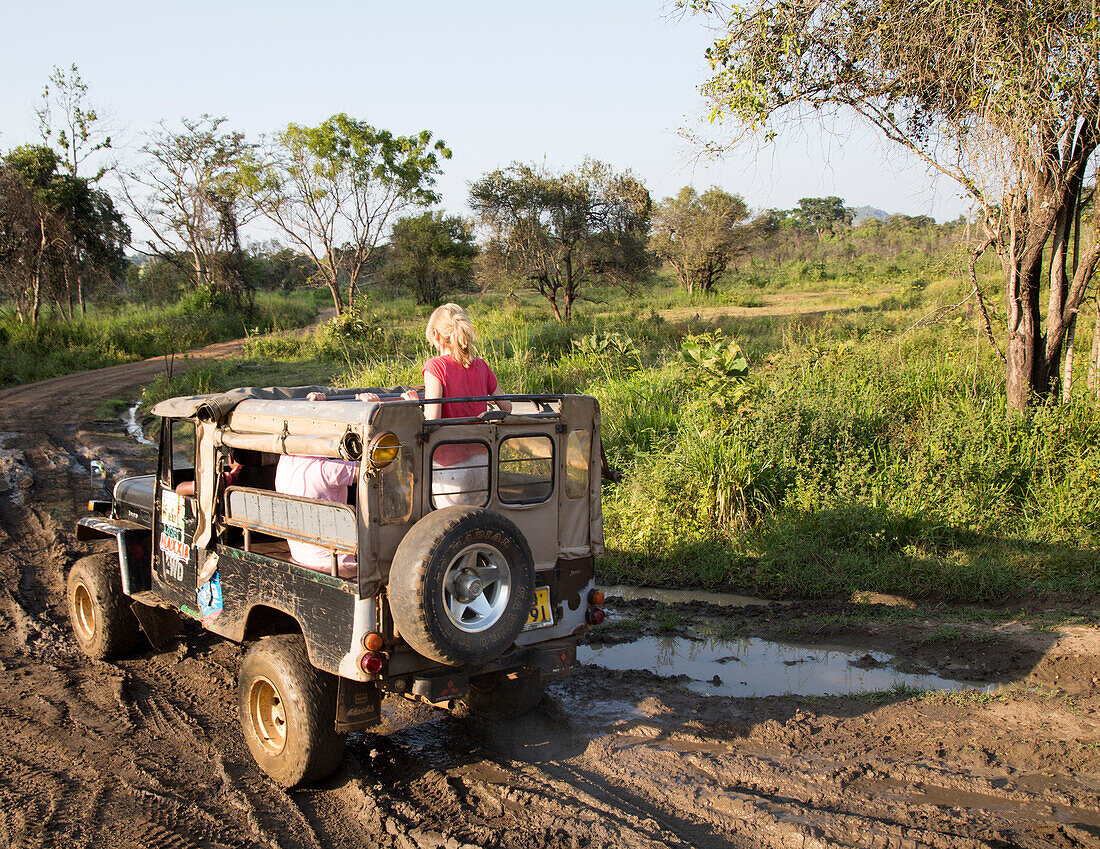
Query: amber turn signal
{"x":596,"y":597}
{"x":372,"y":642}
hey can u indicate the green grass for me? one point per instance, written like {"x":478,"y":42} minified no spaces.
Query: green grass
{"x":108,"y":336}
{"x":873,"y":452}
{"x":961,"y":698}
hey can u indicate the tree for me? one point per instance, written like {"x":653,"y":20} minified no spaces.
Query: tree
{"x":56,"y":231}
{"x":823,"y":214}
{"x":560,"y":230}
{"x":432,"y":254}
{"x":271,"y":266}
{"x":81,"y":133}
{"x":698,"y":235}
{"x":1002,"y":96}
{"x":196,"y":203}
{"x":333,"y":188}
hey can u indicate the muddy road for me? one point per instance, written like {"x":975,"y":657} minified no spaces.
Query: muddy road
{"x":148,"y":752}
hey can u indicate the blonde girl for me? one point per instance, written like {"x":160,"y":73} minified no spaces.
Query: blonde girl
{"x":460,"y":473}
{"x":456,"y":372}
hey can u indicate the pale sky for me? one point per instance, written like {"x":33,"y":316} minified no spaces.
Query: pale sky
{"x":498,"y":81}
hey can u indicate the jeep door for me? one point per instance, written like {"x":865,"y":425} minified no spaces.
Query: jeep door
{"x":175,"y":517}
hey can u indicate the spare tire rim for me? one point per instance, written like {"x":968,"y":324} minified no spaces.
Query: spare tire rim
{"x":476,"y":588}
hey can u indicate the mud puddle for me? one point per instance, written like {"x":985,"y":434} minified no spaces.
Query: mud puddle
{"x":751,"y":667}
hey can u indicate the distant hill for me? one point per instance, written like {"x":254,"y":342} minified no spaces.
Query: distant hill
{"x":866,"y":213}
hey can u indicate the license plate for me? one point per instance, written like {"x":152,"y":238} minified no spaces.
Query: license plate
{"x":540,"y":615}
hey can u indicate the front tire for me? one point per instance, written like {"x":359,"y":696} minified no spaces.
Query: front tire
{"x":288,"y":711}
{"x":461,"y":585}
{"x":103,"y":623}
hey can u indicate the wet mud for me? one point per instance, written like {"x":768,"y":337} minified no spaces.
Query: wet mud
{"x":147,"y":752}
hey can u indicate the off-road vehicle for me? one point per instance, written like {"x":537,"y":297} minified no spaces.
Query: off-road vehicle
{"x":476,"y":593}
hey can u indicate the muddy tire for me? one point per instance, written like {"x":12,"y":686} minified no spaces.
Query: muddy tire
{"x":501,"y":695}
{"x":288,"y":711}
{"x":103,"y":623}
{"x":461,"y":585}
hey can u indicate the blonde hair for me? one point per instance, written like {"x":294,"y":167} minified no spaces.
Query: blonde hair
{"x":455,"y":328}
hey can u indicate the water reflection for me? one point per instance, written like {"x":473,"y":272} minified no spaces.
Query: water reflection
{"x":754,"y":667}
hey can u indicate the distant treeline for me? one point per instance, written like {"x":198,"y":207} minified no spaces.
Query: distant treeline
{"x":347,"y":201}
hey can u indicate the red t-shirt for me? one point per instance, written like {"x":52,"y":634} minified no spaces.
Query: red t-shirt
{"x":458,"y":382}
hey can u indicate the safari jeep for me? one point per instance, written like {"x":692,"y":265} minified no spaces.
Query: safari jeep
{"x":478,"y":594}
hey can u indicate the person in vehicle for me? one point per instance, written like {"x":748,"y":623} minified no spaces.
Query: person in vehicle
{"x":322,"y":479}
{"x":229,"y":477}
{"x":460,"y":473}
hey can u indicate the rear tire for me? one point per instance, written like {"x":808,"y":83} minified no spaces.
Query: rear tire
{"x":501,"y":695}
{"x":288,"y":711}
{"x":103,"y":623}
{"x":461,"y":585}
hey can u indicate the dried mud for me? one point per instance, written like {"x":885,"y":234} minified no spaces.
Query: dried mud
{"x":147,"y":752}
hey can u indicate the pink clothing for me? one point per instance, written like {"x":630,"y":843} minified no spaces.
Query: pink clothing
{"x":458,"y":382}
{"x":323,"y":480}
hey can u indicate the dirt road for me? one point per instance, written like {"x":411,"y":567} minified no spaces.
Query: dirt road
{"x":148,"y":753}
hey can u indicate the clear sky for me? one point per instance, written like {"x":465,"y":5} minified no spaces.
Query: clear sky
{"x":498,"y":81}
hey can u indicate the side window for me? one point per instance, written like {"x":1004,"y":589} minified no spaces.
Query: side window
{"x":578,"y":448}
{"x":525,"y":469}
{"x":460,"y":474}
{"x":395,"y":489}
{"x":178,"y":457}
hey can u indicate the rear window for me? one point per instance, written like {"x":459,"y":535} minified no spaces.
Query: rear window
{"x":525,"y":469}
{"x":460,"y":474}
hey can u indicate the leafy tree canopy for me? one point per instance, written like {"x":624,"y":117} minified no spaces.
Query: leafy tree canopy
{"x":333,"y":189}
{"x":560,"y":230}
{"x":698,"y":235}
{"x":1003,"y":96}
{"x":432,"y":254}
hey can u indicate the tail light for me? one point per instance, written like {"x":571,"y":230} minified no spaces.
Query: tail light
{"x":371,"y":663}
{"x":595,"y":616}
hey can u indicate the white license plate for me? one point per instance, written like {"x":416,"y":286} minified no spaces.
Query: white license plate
{"x":541,"y":615}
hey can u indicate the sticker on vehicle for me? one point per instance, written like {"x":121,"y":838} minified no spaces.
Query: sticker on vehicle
{"x":210,"y":600}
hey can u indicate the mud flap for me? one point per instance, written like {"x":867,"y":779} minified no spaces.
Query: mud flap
{"x":358,"y":705}
{"x":553,"y":661}
{"x":452,"y":684}
{"x":159,"y":624}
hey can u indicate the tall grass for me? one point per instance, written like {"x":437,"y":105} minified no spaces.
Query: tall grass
{"x":107,"y":336}
{"x":852,"y":469}
{"x":873,"y":452}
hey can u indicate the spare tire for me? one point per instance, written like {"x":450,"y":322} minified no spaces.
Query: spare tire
{"x":461,"y":585}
